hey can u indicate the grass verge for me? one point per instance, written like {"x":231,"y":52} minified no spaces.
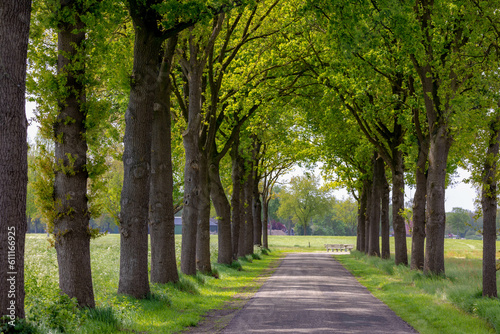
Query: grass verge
{"x":451,"y":304}
{"x":170,"y":307}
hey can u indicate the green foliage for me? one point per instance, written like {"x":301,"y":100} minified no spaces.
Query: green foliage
{"x":236,"y":265}
{"x":303,"y":200}
{"x":108,"y":33}
{"x":459,"y":221}
{"x":256,"y":256}
{"x":20,"y":326}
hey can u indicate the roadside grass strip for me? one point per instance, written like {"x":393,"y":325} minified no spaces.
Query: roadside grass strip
{"x":431,"y":304}
{"x":170,"y":307}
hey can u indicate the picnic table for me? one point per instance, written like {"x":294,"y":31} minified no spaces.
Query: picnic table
{"x":338,"y":247}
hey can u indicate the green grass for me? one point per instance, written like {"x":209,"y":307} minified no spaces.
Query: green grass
{"x":301,"y":243}
{"x":430,"y":304}
{"x":449,"y":304}
{"x":170,"y":308}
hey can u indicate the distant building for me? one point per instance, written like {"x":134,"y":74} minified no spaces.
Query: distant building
{"x":178,"y":225}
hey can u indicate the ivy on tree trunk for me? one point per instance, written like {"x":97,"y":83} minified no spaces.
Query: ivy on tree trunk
{"x":71,"y":224}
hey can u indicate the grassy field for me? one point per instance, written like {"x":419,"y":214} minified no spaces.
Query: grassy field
{"x":430,"y":304}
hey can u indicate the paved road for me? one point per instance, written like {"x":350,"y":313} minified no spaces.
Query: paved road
{"x":313,"y":293}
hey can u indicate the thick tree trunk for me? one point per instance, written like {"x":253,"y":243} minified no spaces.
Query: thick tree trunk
{"x":14,"y":33}
{"x":257,"y":215}
{"x":368,"y":213}
{"x":362,"y":207}
{"x":489,"y":204}
{"x":374,"y":242}
{"x":192,"y":176}
{"x":236,"y":175}
{"x":265,"y":223}
{"x":71,"y":226}
{"x":242,"y":237}
{"x":223,"y":209}
{"x":161,"y":202}
{"x":384,"y":217}
{"x":398,"y":205}
{"x":249,"y":219}
{"x":203,"y":231}
{"x":419,"y":202}
{"x":436,"y":215}
{"x":136,"y":162}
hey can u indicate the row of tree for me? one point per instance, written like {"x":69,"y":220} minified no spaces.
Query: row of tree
{"x":193,"y":52}
{"x":408,"y":87}
{"x":239,"y":91}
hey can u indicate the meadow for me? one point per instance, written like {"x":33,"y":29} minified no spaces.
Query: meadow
{"x":430,"y":304}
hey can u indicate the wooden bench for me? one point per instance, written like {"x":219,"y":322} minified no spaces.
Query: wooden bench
{"x":338,"y":247}
{"x":333,"y":247}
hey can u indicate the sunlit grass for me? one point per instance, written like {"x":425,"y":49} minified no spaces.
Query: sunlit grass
{"x":170,"y":308}
{"x":432,"y":305}
{"x":448,"y":304}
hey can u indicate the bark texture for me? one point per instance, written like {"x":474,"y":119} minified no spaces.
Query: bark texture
{"x":420,"y":197}
{"x":436,"y":216}
{"x":489,"y":195}
{"x":161,"y":203}
{"x":419,"y":202}
{"x":257,"y":203}
{"x":203,"y":230}
{"x":71,"y":226}
{"x":361,"y":237}
{"x":368,"y":212}
{"x":195,"y":251}
{"x":192,"y":177}
{"x":384,"y":217}
{"x":223,"y":209}
{"x":134,"y":213}
{"x":248,"y":207}
{"x":374,"y":229}
{"x":265,"y":223}
{"x":236,"y":176}
{"x":398,"y":202}
{"x":438,"y":110}
{"x":14,"y":33}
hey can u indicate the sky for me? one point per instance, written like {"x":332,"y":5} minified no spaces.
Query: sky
{"x":458,"y":195}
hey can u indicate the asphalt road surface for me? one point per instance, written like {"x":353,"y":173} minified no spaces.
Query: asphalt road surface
{"x":313,"y":293}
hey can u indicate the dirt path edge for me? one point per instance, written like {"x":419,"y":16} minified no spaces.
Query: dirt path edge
{"x":216,"y":320}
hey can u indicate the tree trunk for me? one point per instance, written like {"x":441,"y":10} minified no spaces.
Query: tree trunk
{"x":257,"y":213}
{"x":161,"y":202}
{"x":223,"y":209}
{"x":368,"y":213}
{"x":236,"y":176}
{"x":384,"y":217}
{"x":436,"y":216}
{"x":398,"y":205}
{"x":203,"y":231}
{"x":265,"y":223}
{"x":71,"y":225}
{"x":489,"y":204}
{"x":374,"y":242}
{"x":248,"y":193}
{"x":136,"y":163}
{"x":192,"y":175}
{"x":14,"y":33}
{"x":362,"y":207}
{"x":419,"y":202}
{"x":257,"y":219}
